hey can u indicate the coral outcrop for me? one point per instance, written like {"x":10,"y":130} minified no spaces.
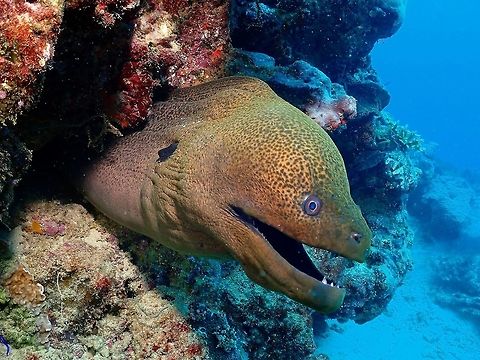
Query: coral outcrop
{"x":302,"y":84}
{"x":445,"y":208}
{"x":93,"y":300}
{"x":335,"y":36}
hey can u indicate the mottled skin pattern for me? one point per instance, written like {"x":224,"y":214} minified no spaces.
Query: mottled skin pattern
{"x":239,"y":145}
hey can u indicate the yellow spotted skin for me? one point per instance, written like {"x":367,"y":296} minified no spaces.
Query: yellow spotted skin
{"x":239,"y":145}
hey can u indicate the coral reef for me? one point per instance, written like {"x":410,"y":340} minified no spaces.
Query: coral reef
{"x":302,"y":84}
{"x":95,"y":300}
{"x":189,"y":42}
{"x":334,"y":36}
{"x":338,"y":84}
{"x":381,"y":162}
{"x":445,"y":208}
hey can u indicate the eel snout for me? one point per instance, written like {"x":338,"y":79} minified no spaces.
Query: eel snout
{"x":280,"y":262}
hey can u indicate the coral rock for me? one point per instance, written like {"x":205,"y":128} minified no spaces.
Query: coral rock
{"x":302,"y":84}
{"x":28,"y":32}
{"x":23,"y":289}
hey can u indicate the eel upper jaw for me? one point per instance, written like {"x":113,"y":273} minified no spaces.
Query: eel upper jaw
{"x":292,"y":251}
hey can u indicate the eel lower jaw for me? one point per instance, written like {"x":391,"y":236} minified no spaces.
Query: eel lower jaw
{"x":289,"y":249}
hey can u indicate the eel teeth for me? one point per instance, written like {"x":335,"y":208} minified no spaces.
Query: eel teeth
{"x":329,"y":282}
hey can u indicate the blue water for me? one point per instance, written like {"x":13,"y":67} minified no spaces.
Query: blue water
{"x":431,"y":69}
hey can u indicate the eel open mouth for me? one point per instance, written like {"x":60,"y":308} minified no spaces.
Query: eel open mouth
{"x":287,"y":247}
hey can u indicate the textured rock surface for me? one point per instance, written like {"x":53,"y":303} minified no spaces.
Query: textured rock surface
{"x":335,"y":36}
{"x":95,"y":300}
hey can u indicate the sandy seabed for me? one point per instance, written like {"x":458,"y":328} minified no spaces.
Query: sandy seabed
{"x":413,"y":327}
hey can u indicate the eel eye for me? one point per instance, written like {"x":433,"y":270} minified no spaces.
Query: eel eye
{"x":312,"y":205}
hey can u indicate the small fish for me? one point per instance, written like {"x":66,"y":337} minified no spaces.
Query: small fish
{"x":7,"y":346}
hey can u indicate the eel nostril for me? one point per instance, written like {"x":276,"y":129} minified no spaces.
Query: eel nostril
{"x":356,"y":237}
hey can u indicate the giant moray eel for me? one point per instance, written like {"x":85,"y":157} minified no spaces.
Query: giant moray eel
{"x":229,"y":169}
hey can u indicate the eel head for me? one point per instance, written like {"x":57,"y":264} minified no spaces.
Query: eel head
{"x":273,"y":183}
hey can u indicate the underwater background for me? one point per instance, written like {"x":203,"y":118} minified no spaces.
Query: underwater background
{"x":394,"y":83}
{"x":417,"y":66}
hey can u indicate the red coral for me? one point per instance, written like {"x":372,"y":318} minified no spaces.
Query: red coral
{"x":135,"y":95}
{"x":103,"y":284}
{"x":179,"y":42}
{"x":28,"y":31}
{"x":195,"y":350}
{"x":204,"y":38}
{"x":188,"y":43}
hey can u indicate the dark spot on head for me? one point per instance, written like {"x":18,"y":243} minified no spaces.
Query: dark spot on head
{"x":165,"y":153}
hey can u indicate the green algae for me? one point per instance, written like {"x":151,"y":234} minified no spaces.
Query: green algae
{"x":17,"y":324}
{"x":4,"y":298}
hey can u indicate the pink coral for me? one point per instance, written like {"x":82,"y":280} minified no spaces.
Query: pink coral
{"x":46,"y":227}
{"x":333,"y":114}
